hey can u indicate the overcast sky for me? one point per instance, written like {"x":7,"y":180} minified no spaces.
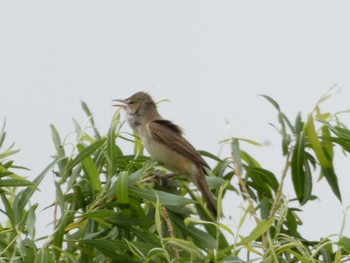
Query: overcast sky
{"x":211,"y":59}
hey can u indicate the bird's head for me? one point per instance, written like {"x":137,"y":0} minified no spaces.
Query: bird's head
{"x":137,"y":104}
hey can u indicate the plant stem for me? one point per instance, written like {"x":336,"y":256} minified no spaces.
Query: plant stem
{"x":280,"y":186}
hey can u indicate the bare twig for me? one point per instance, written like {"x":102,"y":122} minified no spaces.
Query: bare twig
{"x":280,"y":186}
{"x":246,"y":193}
{"x":170,"y":230}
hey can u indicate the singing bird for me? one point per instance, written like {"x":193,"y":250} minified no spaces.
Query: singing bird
{"x":164,"y":142}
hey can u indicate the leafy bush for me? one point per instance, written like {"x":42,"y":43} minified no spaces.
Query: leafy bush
{"x":116,"y":207}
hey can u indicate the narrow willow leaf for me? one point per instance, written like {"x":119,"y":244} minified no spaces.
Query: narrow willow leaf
{"x":8,"y":209}
{"x":136,"y":175}
{"x":344,"y":242}
{"x":185,"y":245}
{"x":103,"y":213}
{"x":135,"y":250}
{"x":199,"y":237}
{"x":297,"y":167}
{"x":308,"y":183}
{"x":112,"y":150}
{"x":110,"y":248}
{"x":91,"y":171}
{"x":327,"y":146}
{"x":59,"y":233}
{"x":299,"y":124}
{"x":57,"y":142}
{"x":325,"y":161}
{"x":209,"y":155}
{"x":163,"y":197}
{"x":236,"y":154}
{"x":265,"y":206}
{"x":84,"y":153}
{"x":326,"y":255}
{"x":339,"y":131}
{"x":2,"y":134}
{"x":261,"y":228}
{"x":232,"y":259}
{"x":249,"y":160}
{"x":29,"y":249}
{"x":146,"y":236}
{"x":31,"y":219}
{"x":302,"y":258}
{"x":4,"y":171}
{"x":123,"y":188}
{"x":8,"y":153}
{"x":272,"y":101}
{"x":15,"y":183}
{"x":23,"y":197}
{"x":60,"y":200}
{"x":266,"y":176}
{"x":138,"y":146}
{"x":345,"y":144}
{"x":332,"y":180}
{"x":315,"y":143}
{"x":89,"y":114}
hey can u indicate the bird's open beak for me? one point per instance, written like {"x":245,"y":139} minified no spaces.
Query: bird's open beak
{"x":120,"y":105}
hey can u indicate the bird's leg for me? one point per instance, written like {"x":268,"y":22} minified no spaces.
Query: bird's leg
{"x":163,"y":177}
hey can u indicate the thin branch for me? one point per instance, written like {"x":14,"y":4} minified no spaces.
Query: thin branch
{"x":280,"y":186}
{"x":246,"y":193}
{"x":170,"y":230}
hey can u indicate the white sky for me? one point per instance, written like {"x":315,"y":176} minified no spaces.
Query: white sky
{"x":209,"y":58}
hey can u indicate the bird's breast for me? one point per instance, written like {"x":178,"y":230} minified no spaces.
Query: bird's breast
{"x":164,"y":154}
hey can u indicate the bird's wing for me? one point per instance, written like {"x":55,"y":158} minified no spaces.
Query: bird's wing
{"x":170,"y":134}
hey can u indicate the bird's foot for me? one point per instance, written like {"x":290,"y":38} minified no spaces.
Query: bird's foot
{"x":162,"y":177}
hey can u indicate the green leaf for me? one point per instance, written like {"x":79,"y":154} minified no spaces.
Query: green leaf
{"x":23,"y":197}
{"x":308,"y":183}
{"x":136,"y":175}
{"x":123,"y":188}
{"x":2,"y":134}
{"x":15,"y":182}
{"x":263,"y":176}
{"x":261,"y":228}
{"x":315,"y":143}
{"x":341,"y":142}
{"x":209,"y":155}
{"x":236,"y":154}
{"x":8,"y":209}
{"x":199,"y":237}
{"x":44,"y":256}
{"x":326,"y":255}
{"x":324,"y":160}
{"x":58,"y":235}
{"x":272,"y":101}
{"x":91,"y":171}
{"x":89,"y":114}
{"x":29,"y":249}
{"x":112,"y":149}
{"x":163,"y":197}
{"x":344,"y":242}
{"x":57,"y":142}
{"x":297,"y":167}
{"x":332,"y":180}
{"x":110,"y":248}
{"x":86,"y":152}
{"x":184,"y":245}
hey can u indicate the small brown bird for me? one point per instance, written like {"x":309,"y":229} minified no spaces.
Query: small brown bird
{"x":165,"y":143}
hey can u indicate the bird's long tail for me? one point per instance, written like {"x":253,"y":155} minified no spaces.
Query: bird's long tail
{"x":202,"y":184}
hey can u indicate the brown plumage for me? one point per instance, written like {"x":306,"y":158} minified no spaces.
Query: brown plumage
{"x":165,"y":143}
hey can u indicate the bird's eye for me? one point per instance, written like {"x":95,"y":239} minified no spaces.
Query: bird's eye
{"x":132,"y":102}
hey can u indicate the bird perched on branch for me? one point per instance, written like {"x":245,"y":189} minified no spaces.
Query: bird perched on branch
{"x":165,"y":143}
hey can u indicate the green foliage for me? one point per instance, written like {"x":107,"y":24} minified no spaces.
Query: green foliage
{"x":117,"y":207}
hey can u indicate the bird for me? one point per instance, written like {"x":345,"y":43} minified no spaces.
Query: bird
{"x":165,"y":143}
